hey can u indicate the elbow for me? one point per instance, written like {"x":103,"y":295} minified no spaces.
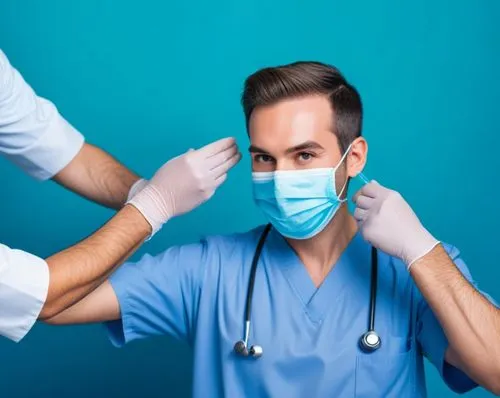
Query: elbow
{"x":493,"y":384}
{"x":49,"y":312}
{"x":495,"y":388}
{"x":495,"y":379}
{"x":49,"y":321}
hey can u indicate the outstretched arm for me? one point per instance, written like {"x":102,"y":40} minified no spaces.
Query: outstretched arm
{"x":97,"y":176}
{"x":99,"y":306}
{"x":77,"y":271}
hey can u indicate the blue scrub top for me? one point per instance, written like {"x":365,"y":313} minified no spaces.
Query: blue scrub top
{"x":309,"y":335}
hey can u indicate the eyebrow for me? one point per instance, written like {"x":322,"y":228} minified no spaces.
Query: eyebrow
{"x":256,"y":149}
{"x":296,"y":148}
{"x":304,"y":146}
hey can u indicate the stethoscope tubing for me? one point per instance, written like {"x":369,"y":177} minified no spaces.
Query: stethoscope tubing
{"x":365,"y":343}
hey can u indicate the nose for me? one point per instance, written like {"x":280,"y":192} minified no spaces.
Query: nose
{"x":284,"y":164}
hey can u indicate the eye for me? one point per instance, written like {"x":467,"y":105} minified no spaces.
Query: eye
{"x":305,"y":156}
{"x":263,"y":158}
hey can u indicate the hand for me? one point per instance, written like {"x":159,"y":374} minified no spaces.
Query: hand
{"x":389,"y":223}
{"x":185,"y":182}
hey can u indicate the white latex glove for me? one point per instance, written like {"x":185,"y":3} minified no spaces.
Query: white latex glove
{"x":185,"y":182}
{"x":136,"y":187}
{"x":387,"y":222}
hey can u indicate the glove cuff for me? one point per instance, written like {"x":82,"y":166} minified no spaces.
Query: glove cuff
{"x":425,"y":245}
{"x":136,"y":187}
{"x":149,"y":202}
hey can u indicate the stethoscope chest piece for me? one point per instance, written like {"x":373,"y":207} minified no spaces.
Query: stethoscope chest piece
{"x":241,"y":349}
{"x":370,"y":341}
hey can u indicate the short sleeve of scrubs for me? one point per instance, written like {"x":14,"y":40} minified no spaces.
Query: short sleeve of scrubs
{"x":433,"y":341}
{"x":159,"y":294}
{"x":33,"y":134}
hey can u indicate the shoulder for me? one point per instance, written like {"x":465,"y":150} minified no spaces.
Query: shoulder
{"x":232,"y":243}
{"x":226,"y":256}
{"x":208,"y":251}
{"x":205,"y":249}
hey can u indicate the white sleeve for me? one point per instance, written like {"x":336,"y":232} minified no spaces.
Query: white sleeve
{"x":24,"y":283}
{"x":33,"y":134}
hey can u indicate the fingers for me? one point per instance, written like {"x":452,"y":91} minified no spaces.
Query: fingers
{"x":225,"y":166}
{"x":220,"y":180}
{"x":363,"y":202}
{"x":215,"y":147}
{"x":356,"y":196}
{"x":371,"y":190}
{"x":360,"y":214}
{"x":220,"y":172}
{"x":220,"y":158}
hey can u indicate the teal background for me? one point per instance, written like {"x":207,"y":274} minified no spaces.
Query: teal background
{"x":147,"y":80}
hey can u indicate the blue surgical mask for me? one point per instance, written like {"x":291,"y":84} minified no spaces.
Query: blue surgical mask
{"x":298,"y":203}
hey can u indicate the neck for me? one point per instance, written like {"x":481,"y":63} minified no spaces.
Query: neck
{"x":321,"y":252}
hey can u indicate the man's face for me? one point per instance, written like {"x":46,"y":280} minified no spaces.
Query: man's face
{"x":293,"y":134}
{"x":297,"y":134}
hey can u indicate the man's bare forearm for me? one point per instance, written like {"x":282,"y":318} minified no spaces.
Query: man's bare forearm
{"x":76,"y":271}
{"x":471,"y":323}
{"x":97,"y":176}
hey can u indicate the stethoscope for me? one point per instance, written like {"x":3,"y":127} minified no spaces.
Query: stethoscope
{"x":369,"y":341}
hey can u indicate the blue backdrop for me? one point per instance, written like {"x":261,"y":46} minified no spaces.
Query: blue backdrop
{"x":146,"y":80}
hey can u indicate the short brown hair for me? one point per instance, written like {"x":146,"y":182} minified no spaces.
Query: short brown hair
{"x":271,"y":85}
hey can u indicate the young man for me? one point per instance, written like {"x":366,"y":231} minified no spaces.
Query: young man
{"x":311,"y":302}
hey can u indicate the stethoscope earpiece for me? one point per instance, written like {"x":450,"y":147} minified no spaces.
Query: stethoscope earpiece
{"x":370,"y":341}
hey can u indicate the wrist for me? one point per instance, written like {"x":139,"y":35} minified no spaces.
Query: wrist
{"x":139,"y":222}
{"x":421,"y":245}
{"x":136,"y":188}
{"x":152,"y":207}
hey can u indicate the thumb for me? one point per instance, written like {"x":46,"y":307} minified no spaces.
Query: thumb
{"x":182,"y":155}
{"x":370,"y":189}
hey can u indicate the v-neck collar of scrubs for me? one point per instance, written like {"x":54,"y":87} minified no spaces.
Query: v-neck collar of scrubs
{"x":316,"y":300}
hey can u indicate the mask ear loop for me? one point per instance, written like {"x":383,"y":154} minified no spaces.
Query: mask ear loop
{"x":347,"y":179}
{"x":342,"y":191}
{"x":363,"y":178}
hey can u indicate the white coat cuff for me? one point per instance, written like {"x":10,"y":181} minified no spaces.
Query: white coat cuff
{"x":52,"y":152}
{"x":24,"y":283}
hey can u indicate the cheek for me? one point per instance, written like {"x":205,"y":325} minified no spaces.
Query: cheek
{"x":328,"y":158}
{"x":340,"y":179}
{"x":323,"y":161}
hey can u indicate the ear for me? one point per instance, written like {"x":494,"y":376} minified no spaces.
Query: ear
{"x":356,"y":159}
